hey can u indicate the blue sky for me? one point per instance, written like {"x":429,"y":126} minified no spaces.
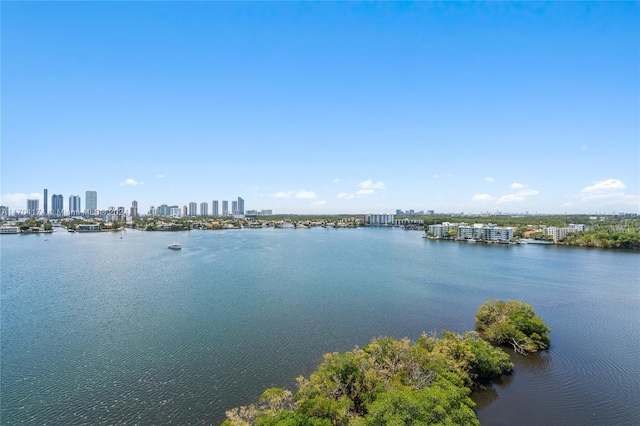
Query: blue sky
{"x":324,"y":107}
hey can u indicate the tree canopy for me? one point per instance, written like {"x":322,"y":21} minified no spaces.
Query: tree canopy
{"x":396,"y":382}
{"x":514,"y":323}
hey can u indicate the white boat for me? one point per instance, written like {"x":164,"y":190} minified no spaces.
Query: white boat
{"x":175,"y":246}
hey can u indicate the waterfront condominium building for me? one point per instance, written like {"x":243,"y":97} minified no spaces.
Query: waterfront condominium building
{"x":234,"y":207}
{"x":379,"y":219}
{"x":204,"y":209}
{"x":74,"y":205}
{"x":240,"y":205}
{"x":45,"y":201}
{"x":57,"y":205}
{"x":214,"y":208}
{"x":32,"y":207}
{"x":193,"y":208}
{"x":91,"y":202}
{"x":441,"y":231}
{"x":134,"y":208}
{"x":225,"y":208}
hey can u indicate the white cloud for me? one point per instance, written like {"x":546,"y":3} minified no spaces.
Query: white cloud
{"x":489,"y":179}
{"x":609,"y":193}
{"x":603,"y":196}
{"x":516,"y":185}
{"x":482,"y":198}
{"x":131,"y":182}
{"x":283,"y":194}
{"x":527,"y":192}
{"x":510,"y":198}
{"x":605,"y":185}
{"x":364,"y":191}
{"x":367,"y":187}
{"x":336,"y":180}
{"x":160,"y":176}
{"x":301,"y":194}
{"x":369,"y":184}
{"x":319,"y":203}
{"x":305,"y":195}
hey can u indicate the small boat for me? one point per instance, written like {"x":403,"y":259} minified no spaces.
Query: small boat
{"x":175,"y":246}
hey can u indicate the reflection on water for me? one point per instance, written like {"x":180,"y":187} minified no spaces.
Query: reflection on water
{"x":536,"y":363}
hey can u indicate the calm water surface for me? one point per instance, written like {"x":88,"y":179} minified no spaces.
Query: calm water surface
{"x":98,"y":329}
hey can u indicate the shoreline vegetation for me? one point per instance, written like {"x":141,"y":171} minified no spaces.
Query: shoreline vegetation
{"x":607,"y":232}
{"x":398,"y":382}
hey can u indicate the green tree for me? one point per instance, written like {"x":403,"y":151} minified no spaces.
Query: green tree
{"x":443,"y":403}
{"x":395,"y":382}
{"x":513,"y":323}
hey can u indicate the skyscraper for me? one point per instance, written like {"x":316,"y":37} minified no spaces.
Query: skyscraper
{"x":225,"y":208}
{"x":214,"y":208}
{"x":234,"y":207}
{"x":193,"y":208}
{"x":134,"y":208}
{"x":46,"y":200}
{"x":74,"y":205}
{"x":57,"y":205}
{"x":32,"y":207}
{"x":204,"y":209}
{"x":240,"y":206}
{"x":163,"y":210}
{"x":91,"y":202}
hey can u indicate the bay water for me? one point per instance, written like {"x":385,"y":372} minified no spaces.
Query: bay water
{"x":114,"y":328}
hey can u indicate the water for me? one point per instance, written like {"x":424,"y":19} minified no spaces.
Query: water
{"x":98,"y":329}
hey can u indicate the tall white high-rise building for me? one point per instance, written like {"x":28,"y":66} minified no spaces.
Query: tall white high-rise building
{"x":74,"y":205}
{"x":32,"y":207}
{"x":193,"y":208}
{"x":134,"y":208}
{"x":234,"y":207}
{"x":214,"y":208}
{"x":240,"y":205}
{"x":225,"y":208}
{"x":57,"y":205}
{"x":91,"y":202}
{"x":204,"y":209}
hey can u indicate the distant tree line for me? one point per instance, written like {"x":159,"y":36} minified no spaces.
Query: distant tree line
{"x":629,"y":239}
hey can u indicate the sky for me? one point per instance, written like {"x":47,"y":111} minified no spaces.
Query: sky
{"x":323,"y":107}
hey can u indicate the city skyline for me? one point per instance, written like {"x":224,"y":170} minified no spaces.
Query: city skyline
{"x":314,"y":108}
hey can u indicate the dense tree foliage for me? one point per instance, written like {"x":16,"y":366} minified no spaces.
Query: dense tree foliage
{"x":597,"y":237}
{"x":387,"y":382}
{"x":33,"y":223}
{"x":513,"y":323}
